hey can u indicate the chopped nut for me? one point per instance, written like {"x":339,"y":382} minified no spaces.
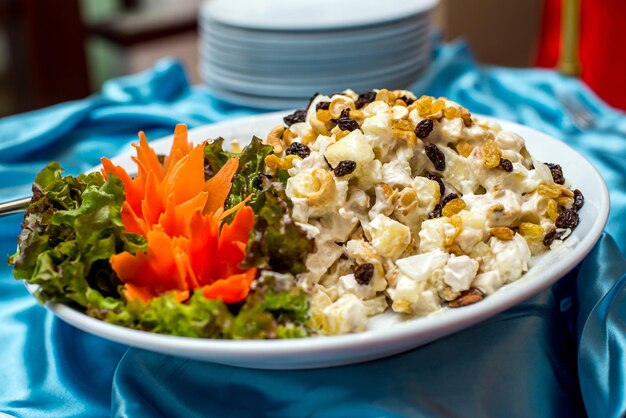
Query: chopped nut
{"x":326,"y":190}
{"x":455,"y":249}
{"x":498,"y":207}
{"x":319,"y":127}
{"x":467,"y":297}
{"x":288,"y":137}
{"x":338,"y":105}
{"x":309,"y":137}
{"x":274,"y":138}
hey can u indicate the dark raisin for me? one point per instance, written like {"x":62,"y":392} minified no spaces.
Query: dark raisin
{"x":365,"y":98}
{"x":557,"y":173}
{"x":407,"y":100}
{"x":442,"y":187}
{"x":579,"y":200}
{"x":161,"y":158}
{"x":298,"y":149}
{"x":322,"y":106}
{"x":449,"y":198}
{"x":347,"y":124}
{"x":506,"y":165}
{"x":344,"y":168}
{"x":436,"y":156}
{"x":424,"y":128}
{"x":345,"y":113}
{"x":364,"y":273}
{"x":261,"y":179}
{"x":308,"y":105}
{"x":436,"y":213}
{"x":551,"y":236}
{"x":295,"y":117}
{"x":567,"y":219}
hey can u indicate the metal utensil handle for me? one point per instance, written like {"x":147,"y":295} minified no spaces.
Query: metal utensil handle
{"x":14,"y":206}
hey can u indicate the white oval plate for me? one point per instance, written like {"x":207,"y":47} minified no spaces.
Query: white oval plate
{"x":289,"y":15}
{"x":388,"y":333}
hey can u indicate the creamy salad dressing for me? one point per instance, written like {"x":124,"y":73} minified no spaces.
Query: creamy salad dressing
{"x":386,"y":236}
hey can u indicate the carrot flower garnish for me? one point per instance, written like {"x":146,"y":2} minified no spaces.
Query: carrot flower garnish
{"x":181,"y":216}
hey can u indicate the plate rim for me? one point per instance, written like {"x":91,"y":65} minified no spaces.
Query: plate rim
{"x":211,"y":10}
{"x":244,"y":352}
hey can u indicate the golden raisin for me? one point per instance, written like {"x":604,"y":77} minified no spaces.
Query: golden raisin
{"x":407,"y":136}
{"x":407,"y":196}
{"x":464,"y":149}
{"x":552,"y":211}
{"x":438,"y":105}
{"x":566,"y":192}
{"x":502,"y":232}
{"x":451,"y":112}
{"x":402,"y":124}
{"x":466,"y":116}
{"x":565,"y":202}
{"x":453,"y":207}
{"x":491,"y":154}
{"x":553,"y":191}
{"x":424,"y":105}
{"x":357,"y":115}
{"x":323,"y":115}
{"x":529,"y":229}
{"x":457,"y":222}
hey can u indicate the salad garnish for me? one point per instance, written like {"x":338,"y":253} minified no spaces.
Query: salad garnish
{"x":181,"y":216}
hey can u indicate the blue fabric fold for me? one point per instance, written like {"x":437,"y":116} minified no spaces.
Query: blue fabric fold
{"x":558,"y":354}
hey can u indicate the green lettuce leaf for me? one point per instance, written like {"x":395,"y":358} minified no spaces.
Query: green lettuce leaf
{"x":198,"y":317}
{"x":214,"y":157}
{"x":277,"y":243}
{"x":251,"y":163}
{"x":275,"y":308}
{"x":73,"y":226}
{"x":70,"y":229}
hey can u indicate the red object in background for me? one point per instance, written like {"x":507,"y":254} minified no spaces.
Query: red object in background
{"x":602,"y":45}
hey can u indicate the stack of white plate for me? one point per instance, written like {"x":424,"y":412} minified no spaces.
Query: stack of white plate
{"x":275,"y":54}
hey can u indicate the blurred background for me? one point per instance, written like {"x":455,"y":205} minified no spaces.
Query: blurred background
{"x":58,"y":50}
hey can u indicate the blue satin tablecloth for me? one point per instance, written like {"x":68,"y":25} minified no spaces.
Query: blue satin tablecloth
{"x":560,"y":354}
